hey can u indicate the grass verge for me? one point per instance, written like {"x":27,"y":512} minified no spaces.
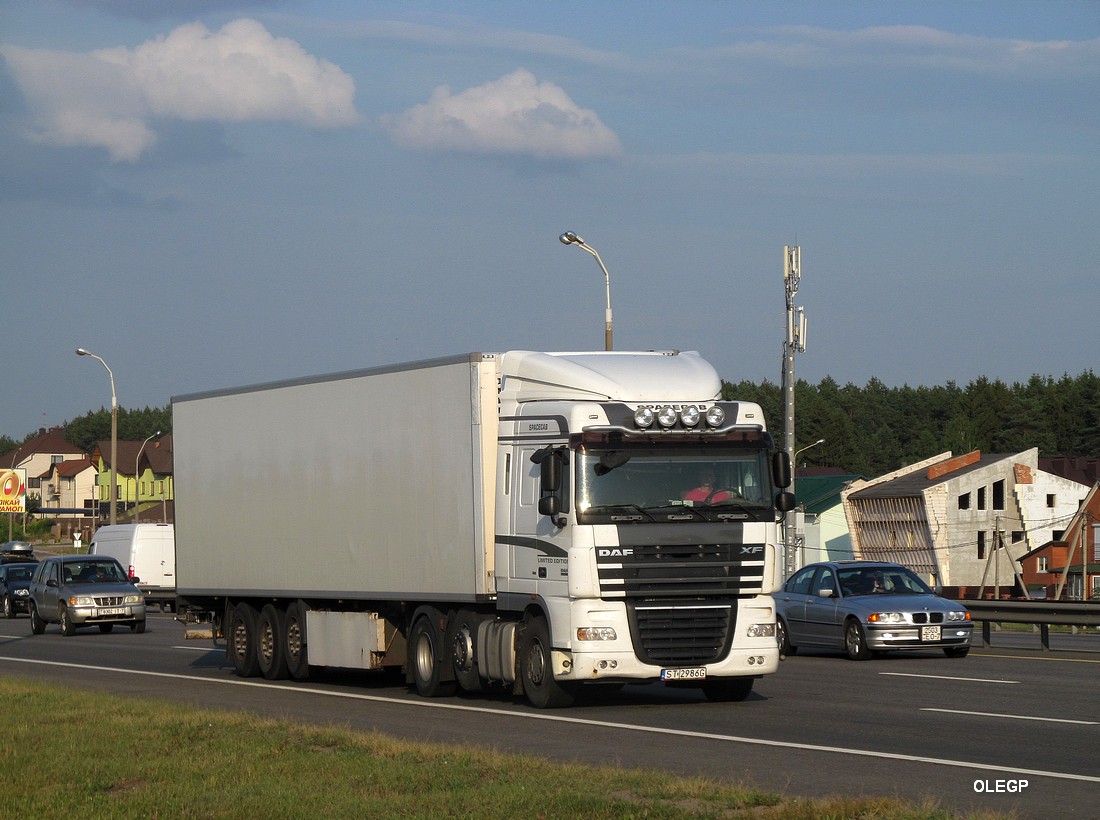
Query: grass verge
{"x":69,"y":753}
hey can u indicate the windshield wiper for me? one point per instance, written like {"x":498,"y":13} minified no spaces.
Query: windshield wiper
{"x":619,"y":509}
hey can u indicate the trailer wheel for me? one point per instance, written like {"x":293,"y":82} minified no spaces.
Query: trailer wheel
{"x":240,"y":640}
{"x":297,"y":659}
{"x":424,"y":644}
{"x":271,"y":643}
{"x":536,"y":670}
{"x":463,"y":652}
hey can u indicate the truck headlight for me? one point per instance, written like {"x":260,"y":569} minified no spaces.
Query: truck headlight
{"x":596,"y":633}
{"x":761,"y":631}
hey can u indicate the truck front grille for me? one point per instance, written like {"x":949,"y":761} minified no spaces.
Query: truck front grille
{"x":682,"y":570}
{"x":684,"y":634}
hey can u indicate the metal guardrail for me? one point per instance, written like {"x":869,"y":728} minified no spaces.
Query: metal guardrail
{"x":1043,"y":614}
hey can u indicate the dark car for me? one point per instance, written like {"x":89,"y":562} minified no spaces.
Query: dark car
{"x":15,"y":581}
{"x":17,"y":552}
{"x":84,"y":590}
{"x":865,"y":608}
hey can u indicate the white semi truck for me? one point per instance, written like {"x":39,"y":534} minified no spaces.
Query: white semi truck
{"x":523,"y":520}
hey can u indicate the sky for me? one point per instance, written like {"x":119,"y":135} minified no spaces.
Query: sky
{"x":209,"y":194}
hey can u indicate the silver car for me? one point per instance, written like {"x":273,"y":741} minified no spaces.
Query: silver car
{"x":84,"y":590}
{"x":865,"y":608}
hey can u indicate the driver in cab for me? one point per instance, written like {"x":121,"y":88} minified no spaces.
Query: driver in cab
{"x":705,"y":492}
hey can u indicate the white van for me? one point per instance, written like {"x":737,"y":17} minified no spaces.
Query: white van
{"x":147,"y":552}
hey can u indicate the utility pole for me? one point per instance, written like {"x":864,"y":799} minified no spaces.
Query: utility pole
{"x":794,"y":342}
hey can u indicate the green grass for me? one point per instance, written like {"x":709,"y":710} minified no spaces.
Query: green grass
{"x":73,"y":754}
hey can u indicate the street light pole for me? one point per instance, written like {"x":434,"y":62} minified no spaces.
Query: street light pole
{"x":570,"y":238}
{"x":804,"y":449}
{"x":137,"y":480}
{"x":112,"y":493}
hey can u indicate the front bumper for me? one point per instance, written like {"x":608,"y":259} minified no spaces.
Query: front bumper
{"x":124,"y":614}
{"x":882,"y":638}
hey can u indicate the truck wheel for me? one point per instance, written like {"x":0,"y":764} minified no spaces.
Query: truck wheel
{"x":424,"y":643}
{"x":728,"y":690}
{"x":536,"y":670}
{"x":240,"y":640}
{"x":297,"y":659}
{"x":271,"y":643}
{"x":38,"y":626}
{"x":67,"y":627}
{"x":463,"y":652}
{"x":855,"y":641}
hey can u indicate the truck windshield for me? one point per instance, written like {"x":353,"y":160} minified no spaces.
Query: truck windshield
{"x":673,"y":483}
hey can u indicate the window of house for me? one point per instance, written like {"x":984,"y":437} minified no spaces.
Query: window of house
{"x":964,"y":501}
{"x":1044,"y":563}
{"x":981,"y":544}
{"x":1096,"y":542}
{"x":999,"y":495}
{"x":1058,"y":535}
{"x":1017,"y":536}
{"x":1050,"y":500}
{"x":981,"y":498}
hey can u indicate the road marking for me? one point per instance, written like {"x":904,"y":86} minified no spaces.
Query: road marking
{"x":557,"y":718}
{"x":946,"y":677}
{"x":1014,"y":717}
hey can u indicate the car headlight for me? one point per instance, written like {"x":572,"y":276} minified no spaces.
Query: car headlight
{"x":958,"y":616}
{"x":886,"y":618}
{"x":133,"y":599}
{"x":81,"y":600}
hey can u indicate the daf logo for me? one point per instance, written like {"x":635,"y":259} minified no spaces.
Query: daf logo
{"x":754,"y":549}
{"x":605,"y":552}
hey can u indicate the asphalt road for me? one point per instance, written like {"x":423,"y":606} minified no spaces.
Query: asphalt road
{"x":1007,"y":729}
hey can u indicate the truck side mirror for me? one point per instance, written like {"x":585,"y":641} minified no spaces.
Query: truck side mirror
{"x":785,"y":501}
{"x":781,"y":469}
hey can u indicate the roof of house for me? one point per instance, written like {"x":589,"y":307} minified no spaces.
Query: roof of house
{"x":47,"y":441}
{"x":913,"y":484}
{"x":816,"y":494}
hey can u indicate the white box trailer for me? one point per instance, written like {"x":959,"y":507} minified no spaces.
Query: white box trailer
{"x":450,"y":517}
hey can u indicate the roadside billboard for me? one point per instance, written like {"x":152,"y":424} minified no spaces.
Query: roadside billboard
{"x":13,"y":490}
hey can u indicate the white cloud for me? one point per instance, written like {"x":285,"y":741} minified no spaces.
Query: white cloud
{"x":241,"y":73}
{"x":515,"y":115}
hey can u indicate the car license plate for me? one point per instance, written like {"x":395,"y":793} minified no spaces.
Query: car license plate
{"x":930,"y":633}
{"x":111,"y":610}
{"x":684,"y":674}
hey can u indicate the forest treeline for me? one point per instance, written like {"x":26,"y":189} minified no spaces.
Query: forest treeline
{"x":875,"y":429}
{"x":868,"y":430}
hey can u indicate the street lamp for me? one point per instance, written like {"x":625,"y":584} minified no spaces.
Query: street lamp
{"x":804,"y":449}
{"x":137,"y":480}
{"x":570,"y":238}
{"x":114,"y":431}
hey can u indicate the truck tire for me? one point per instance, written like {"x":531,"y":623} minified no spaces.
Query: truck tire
{"x":38,"y":626}
{"x":68,"y":628}
{"x":463,"y":651}
{"x":271,"y":643}
{"x":728,"y":690}
{"x":424,"y":656}
{"x":536,"y":671}
{"x":297,"y":657}
{"x":240,"y":640}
